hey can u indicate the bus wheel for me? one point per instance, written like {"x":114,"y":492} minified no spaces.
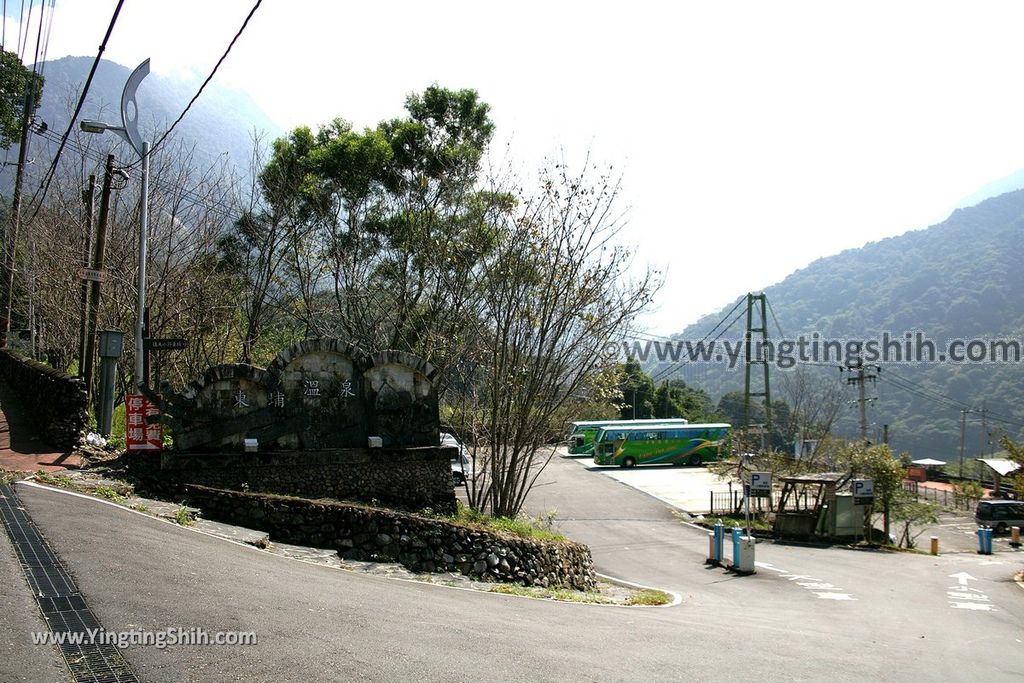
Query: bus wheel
{"x":694,"y":460}
{"x":629,"y":462}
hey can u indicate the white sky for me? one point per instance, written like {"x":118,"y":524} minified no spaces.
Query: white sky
{"x":753,"y":137}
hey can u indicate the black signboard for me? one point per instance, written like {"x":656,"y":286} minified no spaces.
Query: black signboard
{"x":154,"y":344}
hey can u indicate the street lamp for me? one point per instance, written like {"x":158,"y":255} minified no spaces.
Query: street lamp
{"x":129,"y":130}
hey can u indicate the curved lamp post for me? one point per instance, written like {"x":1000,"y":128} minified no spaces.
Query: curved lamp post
{"x":129,"y":130}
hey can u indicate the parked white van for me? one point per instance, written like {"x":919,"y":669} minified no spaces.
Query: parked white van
{"x":462,"y":466}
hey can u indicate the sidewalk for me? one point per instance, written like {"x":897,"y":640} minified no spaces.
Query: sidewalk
{"x":20,"y":448}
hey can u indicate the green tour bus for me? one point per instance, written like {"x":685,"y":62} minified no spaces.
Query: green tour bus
{"x":692,"y":444}
{"x":581,"y":434}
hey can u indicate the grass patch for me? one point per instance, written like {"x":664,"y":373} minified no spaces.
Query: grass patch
{"x":142,"y":507}
{"x":57,"y":480}
{"x":756,"y":524}
{"x":649,"y":597}
{"x":183,"y":517}
{"x":108,"y":493}
{"x":561,"y":594}
{"x":539,"y":528}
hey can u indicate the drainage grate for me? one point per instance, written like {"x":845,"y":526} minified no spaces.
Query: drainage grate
{"x":62,"y":605}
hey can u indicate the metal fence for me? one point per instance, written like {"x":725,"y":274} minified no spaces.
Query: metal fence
{"x":724,"y":502}
{"x":731,"y":502}
{"x":943,"y":497}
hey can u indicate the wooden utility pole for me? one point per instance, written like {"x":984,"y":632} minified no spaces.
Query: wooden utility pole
{"x":984,"y":429}
{"x":963,"y":430}
{"x":10,"y":245}
{"x":88,"y":195}
{"x":97,"y":265}
{"x":861,"y":374}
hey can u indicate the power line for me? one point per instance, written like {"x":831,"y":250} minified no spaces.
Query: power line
{"x":942,"y":399}
{"x":782,"y":335}
{"x":48,"y":178}
{"x":206,"y":82}
{"x":22,"y":30}
{"x":679,"y":365}
{"x":224,"y":210}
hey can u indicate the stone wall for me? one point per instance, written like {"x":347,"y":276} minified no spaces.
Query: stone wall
{"x":418,"y":543}
{"x":410,"y":479}
{"x":55,"y":402}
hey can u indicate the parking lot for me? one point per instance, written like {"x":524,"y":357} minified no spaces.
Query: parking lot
{"x":685,"y":488}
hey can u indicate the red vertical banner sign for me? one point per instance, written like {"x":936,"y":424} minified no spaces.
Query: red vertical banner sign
{"x":139,"y":435}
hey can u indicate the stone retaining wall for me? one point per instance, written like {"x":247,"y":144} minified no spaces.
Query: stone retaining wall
{"x":418,"y":543}
{"x":410,"y":478}
{"x":55,"y":402}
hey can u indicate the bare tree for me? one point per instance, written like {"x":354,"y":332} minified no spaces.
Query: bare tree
{"x":552,"y":293}
{"x":815,"y":401}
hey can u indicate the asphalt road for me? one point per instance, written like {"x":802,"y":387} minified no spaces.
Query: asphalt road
{"x":316,"y":623}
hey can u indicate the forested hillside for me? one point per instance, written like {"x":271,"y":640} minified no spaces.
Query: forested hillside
{"x":960,"y":279}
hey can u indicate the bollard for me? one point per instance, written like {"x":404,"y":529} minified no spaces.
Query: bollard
{"x":935,"y":545}
{"x":1015,"y":536}
{"x":719,"y":542}
{"x":736,"y":534}
{"x":745,"y":564}
{"x":711,"y":548}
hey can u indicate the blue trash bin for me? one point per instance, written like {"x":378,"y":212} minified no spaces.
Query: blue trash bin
{"x":985,"y":540}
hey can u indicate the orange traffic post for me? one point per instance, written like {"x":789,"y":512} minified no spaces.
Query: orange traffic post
{"x":935,"y":545}
{"x":1015,"y":536}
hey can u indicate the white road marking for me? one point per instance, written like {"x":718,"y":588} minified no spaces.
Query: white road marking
{"x":977,"y":606}
{"x":975,"y":599}
{"x":815,"y":585}
{"x":835,"y":596}
{"x":962,"y":578}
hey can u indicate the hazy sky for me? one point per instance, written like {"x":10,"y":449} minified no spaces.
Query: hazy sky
{"x":752,"y":137}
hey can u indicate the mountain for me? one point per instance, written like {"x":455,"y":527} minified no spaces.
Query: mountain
{"x":1014,"y":181}
{"x":220,"y":125}
{"x":958,"y":280}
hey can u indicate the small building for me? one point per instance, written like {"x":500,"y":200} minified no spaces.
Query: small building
{"x":818,"y":505}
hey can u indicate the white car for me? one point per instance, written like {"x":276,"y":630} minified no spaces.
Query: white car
{"x":462,"y":466}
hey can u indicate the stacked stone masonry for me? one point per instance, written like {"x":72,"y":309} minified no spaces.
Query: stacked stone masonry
{"x":422,"y":544}
{"x":55,"y":402}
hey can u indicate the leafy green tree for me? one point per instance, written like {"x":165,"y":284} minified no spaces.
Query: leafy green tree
{"x":1015,"y":451}
{"x":387,"y":225}
{"x":912,"y":517}
{"x":886,"y":471}
{"x":637,"y":392}
{"x":16,"y":81}
{"x":674,"y":398}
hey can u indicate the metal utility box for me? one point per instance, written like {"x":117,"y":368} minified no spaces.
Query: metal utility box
{"x":846,"y":519}
{"x":111,"y":343}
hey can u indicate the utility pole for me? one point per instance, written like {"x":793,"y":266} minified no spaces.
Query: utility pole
{"x":762,"y":360}
{"x":97,"y":264}
{"x":984,"y":429}
{"x":11,"y":242}
{"x":963,"y":429}
{"x":87,"y":198}
{"x":861,"y":374}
